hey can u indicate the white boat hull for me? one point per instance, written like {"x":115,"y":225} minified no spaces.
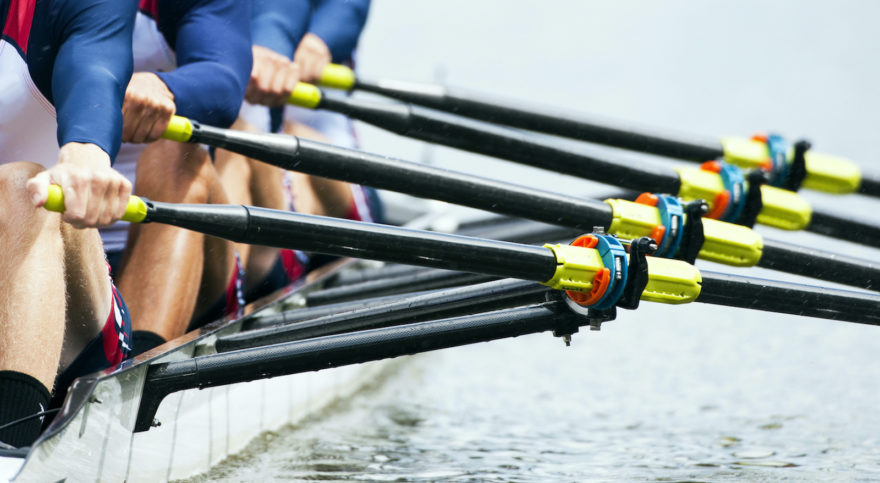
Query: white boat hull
{"x":199,"y":428}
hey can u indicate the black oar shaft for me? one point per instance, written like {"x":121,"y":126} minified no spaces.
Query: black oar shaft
{"x":334,"y":162}
{"x":343,"y":349}
{"x":408,"y":309}
{"x":870,"y":185}
{"x":823,"y":265}
{"x":789,"y":298}
{"x":347,"y":277}
{"x":534,"y":118}
{"x":420,"y":280}
{"x":334,"y":236}
{"x":524,"y":231}
{"x":851,"y":229}
{"x":490,"y":140}
{"x":308,"y":313}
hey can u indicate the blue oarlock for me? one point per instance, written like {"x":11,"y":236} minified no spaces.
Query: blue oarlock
{"x":672,"y":217}
{"x":614,"y":258}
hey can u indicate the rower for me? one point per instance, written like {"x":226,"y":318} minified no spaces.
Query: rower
{"x":63,"y":70}
{"x":312,"y":36}
{"x":191,"y":58}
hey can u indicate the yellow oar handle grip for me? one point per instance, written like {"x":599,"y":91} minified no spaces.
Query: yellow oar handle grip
{"x":337,"y":76}
{"x":135,"y":212}
{"x":305,"y":95}
{"x":179,"y":129}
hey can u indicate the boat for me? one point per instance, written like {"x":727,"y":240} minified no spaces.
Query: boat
{"x":92,"y":438}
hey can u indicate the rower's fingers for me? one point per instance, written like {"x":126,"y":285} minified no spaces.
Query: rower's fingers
{"x":252,"y":93}
{"x":320,"y":64}
{"x":96,"y":211}
{"x":283,"y":82}
{"x":154,"y":121}
{"x":123,"y":192}
{"x":144,"y":126}
{"x":160,"y":125}
{"x":38,"y":188}
{"x":308,"y":67}
{"x":132,"y":114}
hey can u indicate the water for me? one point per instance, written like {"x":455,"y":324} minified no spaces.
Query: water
{"x":689,"y":393}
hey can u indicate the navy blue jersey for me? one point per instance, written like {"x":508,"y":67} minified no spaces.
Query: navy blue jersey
{"x":212,"y":42}
{"x":78,"y":54}
{"x":281,"y":24}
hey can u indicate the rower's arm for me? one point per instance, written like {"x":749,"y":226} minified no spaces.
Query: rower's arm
{"x":339,"y":24}
{"x":212,"y":42}
{"x":91,"y":69}
{"x":279,"y":25}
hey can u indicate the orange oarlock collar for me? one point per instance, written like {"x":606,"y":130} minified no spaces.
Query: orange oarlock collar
{"x":601,"y":280}
{"x":659,"y":231}
{"x":722,"y":199}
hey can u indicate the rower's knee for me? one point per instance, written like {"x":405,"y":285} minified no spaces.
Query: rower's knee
{"x":19,"y":212}
{"x":175,"y":172}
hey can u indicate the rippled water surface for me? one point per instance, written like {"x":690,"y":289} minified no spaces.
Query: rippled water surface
{"x":644,"y":399}
{"x":685,"y":393}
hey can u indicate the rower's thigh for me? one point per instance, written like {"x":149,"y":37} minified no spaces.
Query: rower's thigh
{"x":174,"y":172}
{"x":32,"y":297}
{"x":89,"y":291}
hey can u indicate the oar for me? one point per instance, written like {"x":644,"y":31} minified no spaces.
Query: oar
{"x":564,"y":267}
{"x":509,"y":293}
{"x":730,"y":198}
{"x":724,"y":242}
{"x":435,"y":304}
{"x":823,"y":172}
{"x":595,"y":268}
{"x":424,"y":279}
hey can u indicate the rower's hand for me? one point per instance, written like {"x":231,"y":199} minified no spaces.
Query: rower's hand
{"x":94,"y":193}
{"x":147,"y":108}
{"x":311,"y":55}
{"x":273,"y":78}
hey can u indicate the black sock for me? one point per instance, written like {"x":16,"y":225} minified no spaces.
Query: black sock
{"x":21,"y":395}
{"x":144,"y":340}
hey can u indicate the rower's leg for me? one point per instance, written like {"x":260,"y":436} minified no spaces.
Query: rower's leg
{"x":32,"y":303}
{"x":235,"y":176}
{"x":219,"y":265}
{"x":251,"y":182}
{"x":161,"y":269}
{"x":32,"y":297}
{"x":316,"y":195}
{"x":88,"y":289}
